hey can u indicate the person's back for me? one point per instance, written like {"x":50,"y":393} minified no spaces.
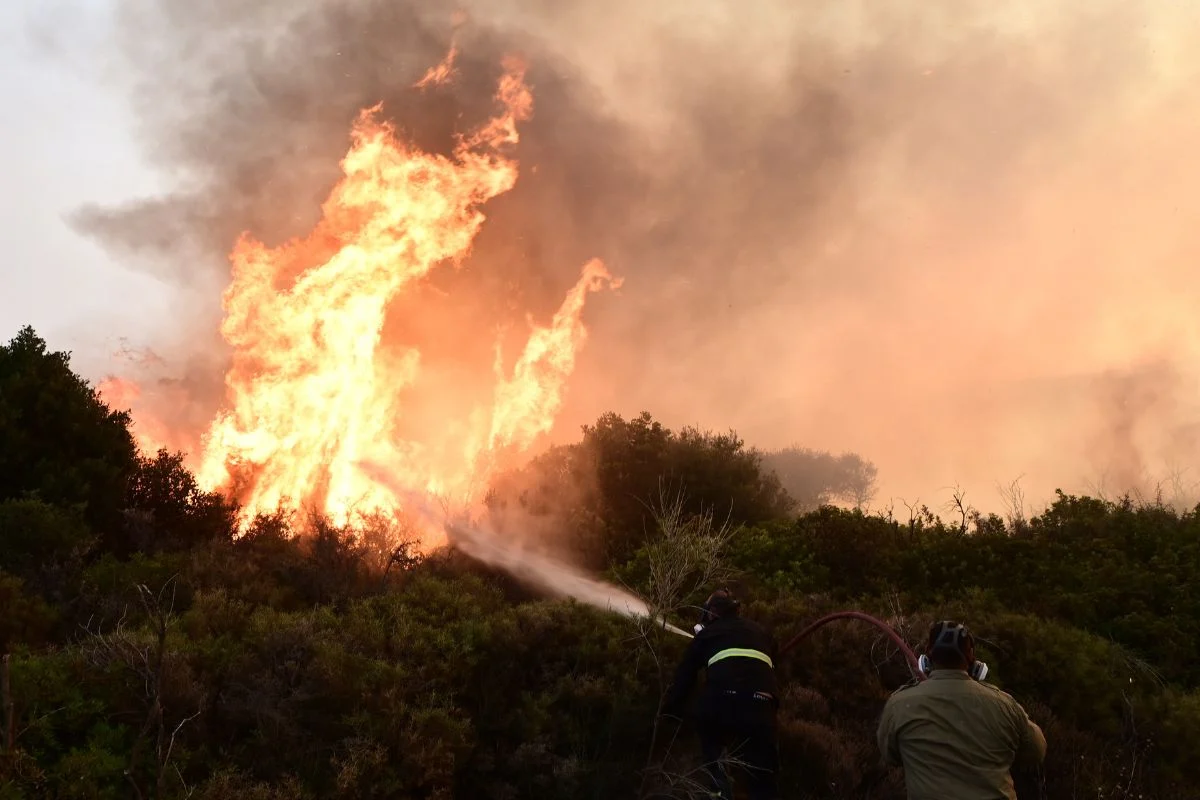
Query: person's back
{"x":737,"y":709}
{"x":738,"y":654}
{"x":955,"y":736}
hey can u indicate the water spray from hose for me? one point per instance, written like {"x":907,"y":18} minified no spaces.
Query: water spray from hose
{"x":481,"y":542}
{"x":553,"y":576}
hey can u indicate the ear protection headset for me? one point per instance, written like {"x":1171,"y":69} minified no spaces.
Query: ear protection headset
{"x":950,"y":635}
{"x":707,"y":611}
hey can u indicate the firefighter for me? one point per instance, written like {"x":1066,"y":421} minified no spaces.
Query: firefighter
{"x":954,"y":735}
{"x":739,"y":700}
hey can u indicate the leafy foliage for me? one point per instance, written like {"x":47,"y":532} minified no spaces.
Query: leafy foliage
{"x":168,"y":510}
{"x":61,"y":443}
{"x":155,"y":654}
{"x":602,"y":487}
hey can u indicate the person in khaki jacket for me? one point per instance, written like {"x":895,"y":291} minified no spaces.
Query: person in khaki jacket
{"x":956,"y":736}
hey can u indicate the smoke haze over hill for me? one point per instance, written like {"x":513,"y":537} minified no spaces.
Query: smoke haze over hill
{"x":956,"y":242}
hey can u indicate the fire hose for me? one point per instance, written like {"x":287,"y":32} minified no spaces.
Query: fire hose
{"x":888,"y":630}
{"x":896,"y":639}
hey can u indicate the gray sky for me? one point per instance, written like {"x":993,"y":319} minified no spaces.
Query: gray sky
{"x":66,"y":140}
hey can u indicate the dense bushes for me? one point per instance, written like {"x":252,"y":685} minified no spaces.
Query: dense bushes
{"x":602,"y":489}
{"x":1116,"y":570}
{"x":154,"y":654}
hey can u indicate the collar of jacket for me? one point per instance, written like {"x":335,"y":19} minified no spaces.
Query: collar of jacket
{"x":720,"y":622}
{"x":949,"y":675}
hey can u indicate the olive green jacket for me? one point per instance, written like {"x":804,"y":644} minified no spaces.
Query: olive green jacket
{"x":957,"y":738}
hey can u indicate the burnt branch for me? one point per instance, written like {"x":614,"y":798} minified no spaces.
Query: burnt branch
{"x":143,"y":653}
{"x":10,"y":725}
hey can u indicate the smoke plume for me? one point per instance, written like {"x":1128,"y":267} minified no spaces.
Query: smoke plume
{"x":955,"y":240}
{"x":515,"y":554}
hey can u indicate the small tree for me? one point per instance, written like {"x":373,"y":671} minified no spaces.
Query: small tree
{"x":144,"y":653}
{"x":813,"y":478}
{"x":682,"y":558}
{"x":62,"y":444}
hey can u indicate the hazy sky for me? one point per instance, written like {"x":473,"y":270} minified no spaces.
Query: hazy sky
{"x":960,"y":243}
{"x":66,"y":139}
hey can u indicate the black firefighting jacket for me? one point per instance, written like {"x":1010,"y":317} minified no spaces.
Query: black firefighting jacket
{"x":739,"y":656}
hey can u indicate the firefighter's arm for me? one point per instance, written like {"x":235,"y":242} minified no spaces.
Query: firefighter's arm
{"x":685,"y":679}
{"x":1031,"y":746}
{"x":885,"y":736}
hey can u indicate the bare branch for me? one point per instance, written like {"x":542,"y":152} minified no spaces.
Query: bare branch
{"x":143,"y":653}
{"x":691,"y":783}
{"x":10,"y":724}
{"x":190,"y":790}
{"x":958,"y":503}
{"x":1013,"y":497}
{"x":683,"y":556}
{"x":165,"y":758}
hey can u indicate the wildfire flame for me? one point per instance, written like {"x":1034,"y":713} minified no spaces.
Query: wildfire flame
{"x":150,"y":434}
{"x":310,"y":396}
{"x":441,"y":73}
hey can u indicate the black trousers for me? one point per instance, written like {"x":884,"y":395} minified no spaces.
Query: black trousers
{"x":737,"y":735}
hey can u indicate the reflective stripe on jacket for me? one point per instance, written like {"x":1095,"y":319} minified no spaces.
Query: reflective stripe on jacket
{"x":738,"y":655}
{"x":742,"y":652}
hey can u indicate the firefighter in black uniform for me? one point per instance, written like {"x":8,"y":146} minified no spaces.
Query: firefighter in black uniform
{"x":740,"y":697}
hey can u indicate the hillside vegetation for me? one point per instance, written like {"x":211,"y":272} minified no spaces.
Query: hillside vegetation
{"x":152,"y":653}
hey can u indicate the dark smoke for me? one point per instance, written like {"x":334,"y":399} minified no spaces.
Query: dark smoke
{"x":850,"y":232}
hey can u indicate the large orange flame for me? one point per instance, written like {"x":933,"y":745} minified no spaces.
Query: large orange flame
{"x":310,"y":399}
